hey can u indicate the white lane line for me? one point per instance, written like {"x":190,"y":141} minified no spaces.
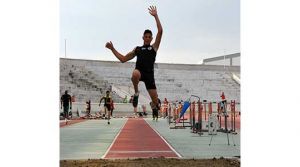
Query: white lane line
{"x":164,"y":140}
{"x":114,"y":140}
{"x":166,"y":151}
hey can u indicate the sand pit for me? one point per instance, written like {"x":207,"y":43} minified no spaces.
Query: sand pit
{"x":157,"y":162}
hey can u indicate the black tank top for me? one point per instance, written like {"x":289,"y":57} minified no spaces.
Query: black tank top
{"x":145,"y":58}
{"x":66,"y":98}
{"x":107,"y":100}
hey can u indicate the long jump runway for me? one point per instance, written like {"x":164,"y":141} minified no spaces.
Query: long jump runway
{"x":138,"y":140}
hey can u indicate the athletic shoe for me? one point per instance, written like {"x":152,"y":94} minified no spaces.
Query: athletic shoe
{"x":155,"y":113}
{"x":135,"y":100}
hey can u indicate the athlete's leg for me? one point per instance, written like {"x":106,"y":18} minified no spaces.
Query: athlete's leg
{"x":136,"y":76}
{"x":135,"y":110}
{"x":66,"y":112}
{"x":154,"y":97}
{"x":153,"y":112}
{"x":154,"y":103}
{"x":108,"y":113}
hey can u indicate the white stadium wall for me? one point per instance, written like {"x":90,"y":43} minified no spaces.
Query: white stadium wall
{"x":89,"y":79}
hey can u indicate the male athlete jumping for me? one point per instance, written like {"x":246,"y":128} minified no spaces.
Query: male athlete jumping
{"x":144,"y":69}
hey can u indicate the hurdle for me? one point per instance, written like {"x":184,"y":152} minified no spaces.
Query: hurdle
{"x":185,"y":122}
{"x":200,"y":109}
{"x":191,"y":114}
{"x":192,"y":117}
{"x":172,"y":112}
{"x":204,"y":111}
{"x":169,"y":110}
{"x":199,"y":112}
{"x":232,"y":111}
{"x":181,"y":121}
{"x":177,"y":115}
{"x":226,"y":116}
{"x":229,"y":118}
{"x":219,"y":114}
{"x":197,"y":125}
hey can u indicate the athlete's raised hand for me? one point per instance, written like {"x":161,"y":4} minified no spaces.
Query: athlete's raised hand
{"x":109,"y":45}
{"x":121,"y":57}
{"x":152,"y":10}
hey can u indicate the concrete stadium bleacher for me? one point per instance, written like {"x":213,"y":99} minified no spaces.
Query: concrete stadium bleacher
{"x":89,"y":79}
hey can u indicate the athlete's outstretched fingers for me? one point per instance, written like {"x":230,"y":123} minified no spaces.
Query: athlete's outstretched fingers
{"x":150,"y":8}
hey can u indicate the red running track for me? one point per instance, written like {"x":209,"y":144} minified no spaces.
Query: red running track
{"x":138,"y":140}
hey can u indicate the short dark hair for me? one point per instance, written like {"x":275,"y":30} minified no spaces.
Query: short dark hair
{"x":148,"y":31}
{"x":107,"y":91}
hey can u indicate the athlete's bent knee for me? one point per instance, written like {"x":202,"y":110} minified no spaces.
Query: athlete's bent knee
{"x":135,"y":75}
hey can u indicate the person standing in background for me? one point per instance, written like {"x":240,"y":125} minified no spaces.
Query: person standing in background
{"x":66,"y":103}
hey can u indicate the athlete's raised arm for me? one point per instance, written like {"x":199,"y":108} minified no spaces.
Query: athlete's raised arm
{"x":153,"y":12}
{"x":121,"y":57}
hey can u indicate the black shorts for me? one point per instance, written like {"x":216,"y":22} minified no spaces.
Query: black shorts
{"x":108,"y":106}
{"x":148,"y":79}
{"x":155,"y":113}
